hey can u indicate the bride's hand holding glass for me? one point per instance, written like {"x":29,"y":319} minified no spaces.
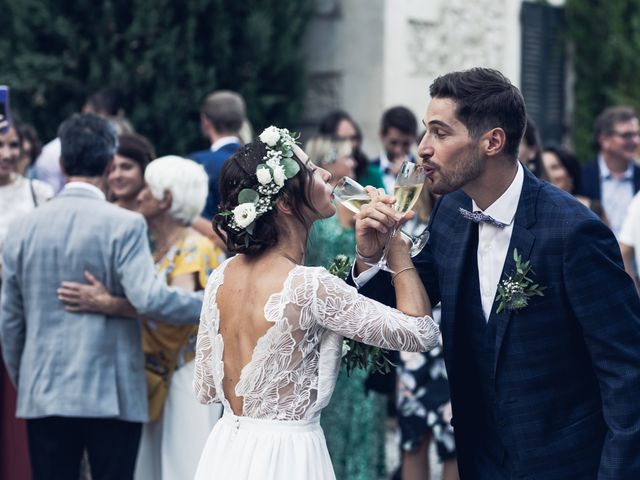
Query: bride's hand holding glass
{"x":375,"y":219}
{"x":409,"y":181}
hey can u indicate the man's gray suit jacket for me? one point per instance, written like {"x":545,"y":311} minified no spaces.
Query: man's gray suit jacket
{"x":81,"y":365}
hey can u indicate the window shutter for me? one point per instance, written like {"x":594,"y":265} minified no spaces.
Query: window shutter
{"x":543,"y":68}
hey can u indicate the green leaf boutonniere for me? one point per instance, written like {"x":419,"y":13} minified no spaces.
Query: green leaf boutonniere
{"x":515,"y":291}
{"x":356,"y":354}
{"x":340,"y":266}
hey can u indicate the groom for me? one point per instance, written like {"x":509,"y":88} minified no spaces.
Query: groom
{"x":547,"y":390}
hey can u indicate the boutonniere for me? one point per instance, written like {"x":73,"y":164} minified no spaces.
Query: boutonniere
{"x":356,"y":354}
{"x":515,"y":291}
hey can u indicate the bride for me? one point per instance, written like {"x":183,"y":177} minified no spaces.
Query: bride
{"x":271,"y":331}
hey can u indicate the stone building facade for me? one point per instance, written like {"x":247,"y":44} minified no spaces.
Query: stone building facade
{"x":367,"y":55}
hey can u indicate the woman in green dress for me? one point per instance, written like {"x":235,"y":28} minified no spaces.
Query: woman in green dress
{"x":354,"y":421}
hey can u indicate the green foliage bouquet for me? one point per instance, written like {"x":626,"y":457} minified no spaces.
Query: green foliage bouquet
{"x":357,"y":354}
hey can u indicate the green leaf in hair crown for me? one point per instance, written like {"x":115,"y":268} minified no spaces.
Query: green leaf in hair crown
{"x":278,"y":166}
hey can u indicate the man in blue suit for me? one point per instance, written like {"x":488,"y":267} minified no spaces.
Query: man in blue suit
{"x":613,"y":177}
{"x":221,"y":118}
{"x":546,"y":388}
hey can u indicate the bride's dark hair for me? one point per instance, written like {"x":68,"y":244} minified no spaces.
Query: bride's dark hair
{"x":239,"y":172}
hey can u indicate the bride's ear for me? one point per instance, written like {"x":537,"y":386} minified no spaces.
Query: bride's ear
{"x":284,"y":206}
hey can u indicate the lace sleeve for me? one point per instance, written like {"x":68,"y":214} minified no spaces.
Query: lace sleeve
{"x":203,"y":379}
{"x":340,"y":308}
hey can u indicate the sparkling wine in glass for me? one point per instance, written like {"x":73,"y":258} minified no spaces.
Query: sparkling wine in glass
{"x":409,"y":183}
{"x":353,"y":196}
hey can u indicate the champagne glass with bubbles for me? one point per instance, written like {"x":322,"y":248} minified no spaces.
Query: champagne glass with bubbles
{"x":409,"y":184}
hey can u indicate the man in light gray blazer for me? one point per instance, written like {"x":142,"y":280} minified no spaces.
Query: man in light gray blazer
{"x":80,"y":377}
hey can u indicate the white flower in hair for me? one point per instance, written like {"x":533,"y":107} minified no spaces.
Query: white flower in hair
{"x":244,"y":214}
{"x":272,"y":163}
{"x":264,"y":176}
{"x":278,"y":175}
{"x":270,"y":136}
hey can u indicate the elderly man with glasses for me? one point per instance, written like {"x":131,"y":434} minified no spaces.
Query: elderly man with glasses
{"x":613,"y":178}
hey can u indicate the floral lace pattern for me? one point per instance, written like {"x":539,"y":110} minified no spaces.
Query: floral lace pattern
{"x":294,"y":366}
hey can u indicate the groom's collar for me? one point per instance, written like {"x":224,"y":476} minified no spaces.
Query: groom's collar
{"x":504,"y":208}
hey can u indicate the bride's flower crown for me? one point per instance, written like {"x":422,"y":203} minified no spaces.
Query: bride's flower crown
{"x":278,"y":167}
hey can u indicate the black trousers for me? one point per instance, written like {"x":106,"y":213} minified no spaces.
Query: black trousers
{"x":56,"y":445}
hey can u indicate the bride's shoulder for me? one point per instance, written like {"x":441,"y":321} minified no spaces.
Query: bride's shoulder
{"x":217,"y":275}
{"x":317,"y":278}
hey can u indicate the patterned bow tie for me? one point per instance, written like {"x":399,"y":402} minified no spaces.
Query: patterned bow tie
{"x":478,"y":217}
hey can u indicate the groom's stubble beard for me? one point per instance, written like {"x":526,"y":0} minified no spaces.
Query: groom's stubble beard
{"x":466,"y":169}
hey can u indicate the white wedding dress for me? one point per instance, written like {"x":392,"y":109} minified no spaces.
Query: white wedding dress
{"x":291,"y":375}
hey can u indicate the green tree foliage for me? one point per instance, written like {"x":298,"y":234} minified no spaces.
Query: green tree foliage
{"x":163,"y":55}
{"x":605,"y":35}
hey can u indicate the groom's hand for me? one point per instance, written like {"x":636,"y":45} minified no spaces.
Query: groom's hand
{"x":374,"y":223}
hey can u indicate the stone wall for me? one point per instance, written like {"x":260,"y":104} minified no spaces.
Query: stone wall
{"x":367,"y":55}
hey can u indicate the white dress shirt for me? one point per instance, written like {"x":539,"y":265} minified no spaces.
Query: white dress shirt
{"x":616,"y":194}
{"x":221,"y":142}
{"x":493,"y":243}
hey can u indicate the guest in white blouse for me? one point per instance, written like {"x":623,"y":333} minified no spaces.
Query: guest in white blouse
{"x":18,"y":195}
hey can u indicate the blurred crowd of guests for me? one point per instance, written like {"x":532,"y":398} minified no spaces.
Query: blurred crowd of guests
{"x":178,"y":196}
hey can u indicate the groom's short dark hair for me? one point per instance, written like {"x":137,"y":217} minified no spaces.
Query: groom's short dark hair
{"x":485,"y":99}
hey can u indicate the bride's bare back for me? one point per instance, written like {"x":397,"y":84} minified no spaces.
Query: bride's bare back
{"x":241,"y":299}
{"x":270,"y":336}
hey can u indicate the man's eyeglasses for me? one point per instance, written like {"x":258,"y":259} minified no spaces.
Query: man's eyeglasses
{"x":626,"y":135}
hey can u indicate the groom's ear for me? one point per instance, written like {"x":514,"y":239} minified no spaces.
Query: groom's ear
{"x":493,"y":141}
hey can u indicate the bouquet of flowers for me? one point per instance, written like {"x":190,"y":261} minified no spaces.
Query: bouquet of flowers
{"x":356,"y":354}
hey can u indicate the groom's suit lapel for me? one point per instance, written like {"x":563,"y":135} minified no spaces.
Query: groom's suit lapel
{"x":456,"y":256}
{"x":522,"y":239}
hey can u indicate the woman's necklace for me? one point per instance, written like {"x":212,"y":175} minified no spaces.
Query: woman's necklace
{"x":290,"y":258}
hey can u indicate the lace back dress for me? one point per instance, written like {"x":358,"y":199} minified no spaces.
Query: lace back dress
{"x":292,"y":373}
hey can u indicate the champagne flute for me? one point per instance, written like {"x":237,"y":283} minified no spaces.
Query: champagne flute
{"x":352,"y":195}
{"x":409,"y":183}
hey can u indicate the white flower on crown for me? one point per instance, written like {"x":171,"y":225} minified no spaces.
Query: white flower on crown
{"x":270,"y":136}
{"x":278,"y":175}
{"x":244,"y":214}
{"x":264,"y":176}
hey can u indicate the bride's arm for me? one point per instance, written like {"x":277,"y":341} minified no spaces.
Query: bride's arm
{"x":411,"y":296}
{"x":340,"y":308}
{"x":203,"y":382}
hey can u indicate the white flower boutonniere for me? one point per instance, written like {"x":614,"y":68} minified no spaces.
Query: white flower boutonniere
{"x":515,"y":291}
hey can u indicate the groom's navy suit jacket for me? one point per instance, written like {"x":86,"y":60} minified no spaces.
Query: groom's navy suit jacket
{"x":565,"y":378}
